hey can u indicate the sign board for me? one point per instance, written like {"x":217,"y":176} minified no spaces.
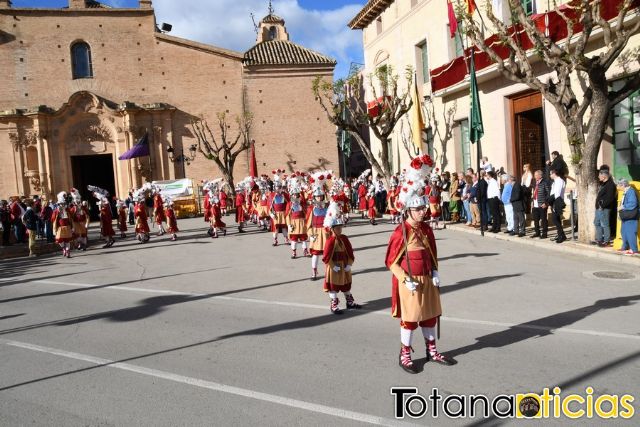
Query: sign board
{"x":175,"y":188}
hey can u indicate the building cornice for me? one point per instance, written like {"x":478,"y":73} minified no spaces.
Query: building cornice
{"x":369,"y":12}
{"x":74,"y":12}
{"x":203,"y":47}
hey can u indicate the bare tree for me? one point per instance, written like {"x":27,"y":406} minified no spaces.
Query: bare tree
{"x":577,"y":62}
{"x":340,"y":101}
{"x":225,"y":149}
{"x":442,"y":130}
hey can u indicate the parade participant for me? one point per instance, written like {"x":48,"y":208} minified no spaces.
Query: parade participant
{"x":80,"y":218}
{"x":412,"y":258}
{"x":106,"y":222}
{"x":371,"y":204}
{"x":295,"y":217}
{"x":315,"y":219}
{"x":222,"y":196}
{"x":140,"y":214}
{"x":362,"y":192}
{"x":122,"y":218}
{"x":392,"y":198}
{"x":207,"y":201}
{"x":217,"y":225}
{"x":254,"y":198}
{"x":172,"y":221}
{"x":278,"y":200}
{"x":433,"y":194}
{"x":338,"y":258}
{"x":158,"y":212}
{"x":63,"y":224}
{"x":346,"y":207}
{"x":262,"y":205}
{"x":240,"y":208}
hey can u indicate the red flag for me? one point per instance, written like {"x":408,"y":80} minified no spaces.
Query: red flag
{"x":471,"y":6}
{"x":253,"y":165}
{"x":453,"y":22}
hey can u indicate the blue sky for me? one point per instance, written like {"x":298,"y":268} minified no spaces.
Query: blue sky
{"x":318,"y":24}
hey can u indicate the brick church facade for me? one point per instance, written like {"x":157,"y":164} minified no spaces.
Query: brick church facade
{"x":82,"y":84}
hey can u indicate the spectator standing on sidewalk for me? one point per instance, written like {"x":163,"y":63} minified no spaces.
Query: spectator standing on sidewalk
{"x":5,"y":221}
{"x":445,"y":196}
{"x":556,"y":201}
{"x":45,"y":216}
{"x":605,"y":201}
{"x":558,"y":164}
{"x":30,"y":221}
{"x":518,"y":204}
{"x":507,"y":183}
{"x":483,"y":202}
{"x":493,"y":196}
{"x":381,"y":196}
{"x":466,"y":199}
{"x":541,"y":189}
{"x":628,"y":212}
{"x":526,"y":182}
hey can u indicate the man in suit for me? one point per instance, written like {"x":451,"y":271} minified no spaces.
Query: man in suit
{"x":483,"y":201}
{"x":556,"y":201}
{"x":541,"y":191}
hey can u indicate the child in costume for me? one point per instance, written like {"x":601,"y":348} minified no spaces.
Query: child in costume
{"x":296,"y":216}
{"x":371,"y":205}
{"x":338,"y":258}
{"x":122,"y":218}
{"x":315,"y":219}
{"x":63,"y":224}
{"x":172,"y":221}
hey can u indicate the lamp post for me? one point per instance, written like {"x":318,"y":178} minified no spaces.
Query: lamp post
{"x":182,"y":158}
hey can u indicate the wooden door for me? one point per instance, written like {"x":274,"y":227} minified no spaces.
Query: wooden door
{"x":530,"y":142}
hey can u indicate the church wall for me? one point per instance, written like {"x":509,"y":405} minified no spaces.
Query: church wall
{"x":278,"y":98}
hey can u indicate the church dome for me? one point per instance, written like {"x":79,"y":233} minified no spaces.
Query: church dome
{"x":272,"y":19}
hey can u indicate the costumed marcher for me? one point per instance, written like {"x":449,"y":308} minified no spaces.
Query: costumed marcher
{"x":433,"y":194}
{"x":262,"y":204}
{"x":315,"y":219}
{"x":207,"y":201}
{"x":254,"y":201}
{"x":362,"y":192}
{"x":346,"y":207}
{"x":106,"y":222}
{"x":412,"y":258}
{"x":80,"y":216}
{"x":172,"y":221}
{"x":241,"y":216}
{"x":122,"y":218}
{"x":217,"y":225}
{"x":222,"y":196}
{"x":392,"y":197}
{"x":278,"y":200}
{"x":140,"y":214}
{"x":63,"y":224}
{"x":338,"y":258}
{"x":296,"y":218}
{"x":371,"y":204}
{"x":158,"y":211}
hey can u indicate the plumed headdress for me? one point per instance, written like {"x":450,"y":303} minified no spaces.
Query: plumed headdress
{"x":412,"y":192}
{"x":318,"y":181}
{"x":62,"y":198}
{"x":334,"y":216}
{"x":77,"y":198}
{"x":363,"y":176}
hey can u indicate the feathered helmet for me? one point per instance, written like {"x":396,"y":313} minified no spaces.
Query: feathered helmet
{"x":337,"y":187}
{"x":333,"y":217}
{"x":363,"y":176}
{"x":120,"y":204}
{"x":77,"y":198}
{"x":99,"y":193}
{"x":294,"y":183}
{"x":318,"y":182}
{"x":62,"y":198}
{"x":412,"y":193}
{"x":278,"y":181}
{"x":371,"y":190}
{"x":168,"y":201}
{"x":263,"y":184}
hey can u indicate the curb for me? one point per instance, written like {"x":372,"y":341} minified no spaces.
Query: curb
{"x":567,"y":247}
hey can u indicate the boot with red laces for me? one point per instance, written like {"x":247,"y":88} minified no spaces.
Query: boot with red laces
{"x":335,"y":309}
{"x":293,"y":254}
{"x":351,"y":303}
{"x":432,"y":354}
{"x":405,"y":361}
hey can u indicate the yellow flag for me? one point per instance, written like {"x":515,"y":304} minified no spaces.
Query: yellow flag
{"x":417,"y":118}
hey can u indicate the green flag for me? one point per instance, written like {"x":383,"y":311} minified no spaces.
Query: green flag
{"x":476,"y":130}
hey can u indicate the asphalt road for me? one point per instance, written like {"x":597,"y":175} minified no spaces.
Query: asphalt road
{"x":230,"y":331}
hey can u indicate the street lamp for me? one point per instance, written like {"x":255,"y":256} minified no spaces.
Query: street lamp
{"x":181,"y":158}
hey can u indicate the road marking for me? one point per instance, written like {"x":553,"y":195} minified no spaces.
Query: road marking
{"x":210,"y":385}
{"x":541,"y":328}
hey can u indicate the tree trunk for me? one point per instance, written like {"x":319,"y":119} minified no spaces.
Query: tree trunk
{"x":375,"y":165}
{"x":587,"y":174}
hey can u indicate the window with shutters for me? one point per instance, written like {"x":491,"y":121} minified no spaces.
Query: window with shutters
{"x":81,"y":61}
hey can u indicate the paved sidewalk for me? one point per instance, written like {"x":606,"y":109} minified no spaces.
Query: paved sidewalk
{"x":569,"y":246}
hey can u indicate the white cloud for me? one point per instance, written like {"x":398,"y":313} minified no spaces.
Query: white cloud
{"x":227,"y":24}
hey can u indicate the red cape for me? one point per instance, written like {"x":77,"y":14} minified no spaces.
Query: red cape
{"x":331,"y":242}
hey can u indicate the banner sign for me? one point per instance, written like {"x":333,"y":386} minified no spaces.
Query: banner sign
{"x":175,"y":188}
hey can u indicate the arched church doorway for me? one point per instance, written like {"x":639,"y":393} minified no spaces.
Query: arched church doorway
{"x":96,"y":170}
